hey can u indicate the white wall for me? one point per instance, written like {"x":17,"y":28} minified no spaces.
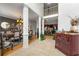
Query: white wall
{"x":36,"y":7}
{"x":66,"y":10}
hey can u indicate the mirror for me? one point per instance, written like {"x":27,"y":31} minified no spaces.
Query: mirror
{"x":5,"y":25}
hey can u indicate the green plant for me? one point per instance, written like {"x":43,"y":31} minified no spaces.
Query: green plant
{"x":42,"y":37}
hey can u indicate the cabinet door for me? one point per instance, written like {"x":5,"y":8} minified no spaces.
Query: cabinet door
{"x":75,"y":45}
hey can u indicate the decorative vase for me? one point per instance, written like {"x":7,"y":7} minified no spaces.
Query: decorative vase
{"x":74,"y":29}
{"x":74,"y":24}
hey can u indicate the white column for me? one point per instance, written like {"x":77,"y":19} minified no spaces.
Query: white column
{"x":25,"y":27}
{"x":39,"y":27}
{"x":42,"y":26}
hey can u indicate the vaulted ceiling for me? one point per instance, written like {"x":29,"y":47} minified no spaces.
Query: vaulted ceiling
{"x":48,"y":7}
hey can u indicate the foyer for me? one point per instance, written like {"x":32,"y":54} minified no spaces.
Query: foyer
{"x":39,"y":48}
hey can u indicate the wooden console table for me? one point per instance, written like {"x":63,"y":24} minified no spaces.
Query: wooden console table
{"x":68,"y":43}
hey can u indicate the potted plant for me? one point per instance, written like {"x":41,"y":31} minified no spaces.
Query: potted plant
{"x":42,"y":37}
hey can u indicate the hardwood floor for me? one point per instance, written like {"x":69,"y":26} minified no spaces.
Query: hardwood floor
{"x":39,"y":48}
{"x":32,"y":39}
{"x":48,"y":37}
{"x":9,"y":50}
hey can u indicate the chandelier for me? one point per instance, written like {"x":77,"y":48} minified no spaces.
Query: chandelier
{"x":19,"y":21}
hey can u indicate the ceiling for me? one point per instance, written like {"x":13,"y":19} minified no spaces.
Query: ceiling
{"x":11,"y":10}
{"x":15,"y":10}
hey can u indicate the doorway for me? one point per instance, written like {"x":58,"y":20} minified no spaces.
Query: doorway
{"x":50,"y":27}
{"x":50,"y":20}
{"x":33,"y":26}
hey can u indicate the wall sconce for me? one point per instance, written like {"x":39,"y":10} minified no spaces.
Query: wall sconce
{"x":5,"y":25}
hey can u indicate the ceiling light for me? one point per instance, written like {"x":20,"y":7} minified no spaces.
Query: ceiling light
{"x":49,"y":16}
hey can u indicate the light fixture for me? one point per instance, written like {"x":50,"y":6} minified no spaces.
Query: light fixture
{"x":5,"y":25}
{"x":19,"y":21}
{"x":49,"y":16}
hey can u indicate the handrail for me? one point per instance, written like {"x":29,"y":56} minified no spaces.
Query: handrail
{"x":51,"y":7}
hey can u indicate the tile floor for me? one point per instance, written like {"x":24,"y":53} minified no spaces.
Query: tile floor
{"x":39,"y":48}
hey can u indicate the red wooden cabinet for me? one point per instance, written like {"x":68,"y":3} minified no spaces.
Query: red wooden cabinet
{"x":67,"y":43}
